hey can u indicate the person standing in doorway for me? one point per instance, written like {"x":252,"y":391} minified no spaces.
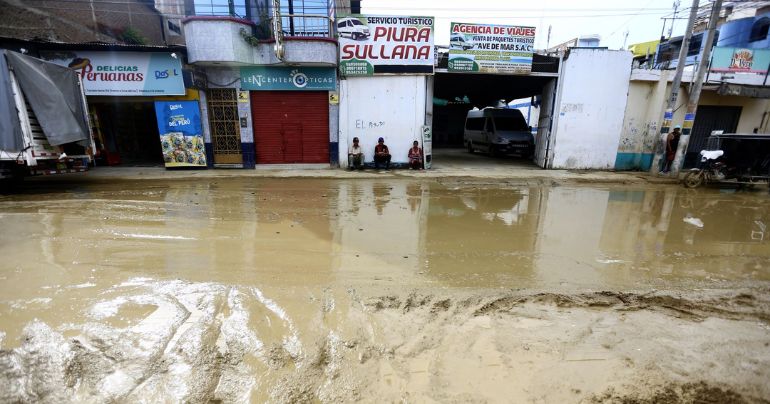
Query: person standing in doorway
{"x":355,"y":156}
{"x":672,"y":141}
{"x":415,"y":156}
{"x":381,"y":154}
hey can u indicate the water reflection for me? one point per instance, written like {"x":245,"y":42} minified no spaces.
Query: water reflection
{"x":319,"y":232}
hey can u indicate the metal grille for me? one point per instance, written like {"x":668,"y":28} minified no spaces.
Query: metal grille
{"x":223,"y":121}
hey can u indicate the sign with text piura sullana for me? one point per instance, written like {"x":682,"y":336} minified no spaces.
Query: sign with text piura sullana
{"x":490,"y":48}
{"x":377,"y":44}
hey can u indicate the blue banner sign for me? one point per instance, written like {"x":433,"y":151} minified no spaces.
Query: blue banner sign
{"x":124,"y":73}
{"x":283,"y":78}
{"x":181,"y":137}
{"x":740,"y":60}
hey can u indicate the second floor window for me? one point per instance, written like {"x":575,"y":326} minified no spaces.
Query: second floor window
{"x":232,"y":8}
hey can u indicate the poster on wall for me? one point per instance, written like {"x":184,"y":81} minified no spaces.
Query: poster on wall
{"x":124,"y":73}
{"x":181,"y":137}
{"x":740,"y":60}
{"x":490,"y":48}
{"x":375,"y":44}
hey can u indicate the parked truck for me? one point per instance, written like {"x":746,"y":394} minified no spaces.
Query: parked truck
{"x":44,"y":127}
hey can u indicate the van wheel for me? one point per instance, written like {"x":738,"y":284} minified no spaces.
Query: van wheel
{"x":470,"y":147}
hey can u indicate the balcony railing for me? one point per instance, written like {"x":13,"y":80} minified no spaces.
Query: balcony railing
{"x":223,"y":8}
{"x":307,"y":25}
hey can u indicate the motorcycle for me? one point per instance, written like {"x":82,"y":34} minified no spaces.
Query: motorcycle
{"x":747,"y":161}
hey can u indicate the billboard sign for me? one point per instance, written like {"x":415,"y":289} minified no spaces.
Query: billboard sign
{"x":491,"y":48}
{"x":282,"y":78}
{"x":737,"y":60}
{"x":181,"y":136}
{"x":375,"y":44}
{"x":124,"y":73}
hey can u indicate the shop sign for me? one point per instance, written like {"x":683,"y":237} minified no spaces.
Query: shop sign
{"x":373,"y":44}
{"x":490,"y":48}
{"x":270,"y":78}
{"x":181,"y":137}
{"x":124,"y":73}
{"x":740,"y":60}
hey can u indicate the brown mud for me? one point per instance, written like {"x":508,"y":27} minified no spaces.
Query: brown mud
{"x":383,"y":291}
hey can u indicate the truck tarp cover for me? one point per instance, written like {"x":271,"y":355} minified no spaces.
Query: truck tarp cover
{"x":54,"y":95}
{"x":10,"y":129}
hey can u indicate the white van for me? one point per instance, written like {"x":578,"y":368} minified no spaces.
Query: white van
{"x":457,"y":41}
{"x":498,"y":131}
{"x":352,"y":28}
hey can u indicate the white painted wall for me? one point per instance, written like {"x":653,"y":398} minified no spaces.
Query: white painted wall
{"x":392,"y":107}
{"x":594,"y":89}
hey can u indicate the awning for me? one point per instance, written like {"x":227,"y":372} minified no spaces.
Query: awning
{"x":54,"y":94}
{"x":644,"y":48}
{"x":743,"y":91}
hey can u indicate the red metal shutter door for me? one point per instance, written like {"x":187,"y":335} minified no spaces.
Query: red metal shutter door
{"x":290,"y":126}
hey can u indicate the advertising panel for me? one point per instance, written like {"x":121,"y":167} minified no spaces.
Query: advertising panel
{"x":490,"y":48}
{"x":181,"y":137}
{"x":739,"y":60}
{"x":271,"y":78}
{"x":124,"y":73}
{"x":373,"y":44}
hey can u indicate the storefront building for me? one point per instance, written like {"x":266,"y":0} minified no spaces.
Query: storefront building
{"x":271,"y":95}
{"x":386,"y":69}
{"x":126,"y":93}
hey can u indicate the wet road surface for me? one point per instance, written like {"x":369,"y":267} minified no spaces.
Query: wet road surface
{"x":343,"y":290}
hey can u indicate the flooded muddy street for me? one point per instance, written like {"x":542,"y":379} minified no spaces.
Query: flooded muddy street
{"x":297,"y":290}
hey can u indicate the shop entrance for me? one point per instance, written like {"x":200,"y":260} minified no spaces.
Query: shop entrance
{"x":455,"y":94}
{"x":710,"y":118}
{"x":291,"y":127}
{"x":126,"y":132}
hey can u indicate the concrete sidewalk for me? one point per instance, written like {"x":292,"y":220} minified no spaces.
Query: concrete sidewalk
{"x":448,"y":163}
{"x":507,"y":173}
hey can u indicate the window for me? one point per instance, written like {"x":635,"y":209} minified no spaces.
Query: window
{"x":759,"y":30}
{"x":307,"y":18}
{"x":474,"y":123}
{"x":511,"y":123}
{"x":233,"y":8}
{"x":695,"y":45}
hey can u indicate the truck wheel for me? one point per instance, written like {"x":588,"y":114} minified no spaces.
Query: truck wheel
{"x":693,"y":179}
{"x":469,"y":145}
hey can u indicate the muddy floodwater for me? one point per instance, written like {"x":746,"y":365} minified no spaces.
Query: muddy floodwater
{"x":311,"y":290}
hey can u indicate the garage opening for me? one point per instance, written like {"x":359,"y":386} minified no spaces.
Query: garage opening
{"x":291,"y":127}
{"x":455,"y":94}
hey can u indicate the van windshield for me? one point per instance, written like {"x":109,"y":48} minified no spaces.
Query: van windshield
{"x":356,"y":22}
{"x":510,"y":123}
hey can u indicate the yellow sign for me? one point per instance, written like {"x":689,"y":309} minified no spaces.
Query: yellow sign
{"x":243,"y":96}
{"x":334,"y":98}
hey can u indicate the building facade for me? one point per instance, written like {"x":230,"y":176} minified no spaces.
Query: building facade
{"x":271,"y":94}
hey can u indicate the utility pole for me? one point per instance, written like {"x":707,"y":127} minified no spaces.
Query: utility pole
{"x":673,"y":19}
{"x":668,"y":115}
{"x":692,"y":101}
{"x":625,"y":38}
